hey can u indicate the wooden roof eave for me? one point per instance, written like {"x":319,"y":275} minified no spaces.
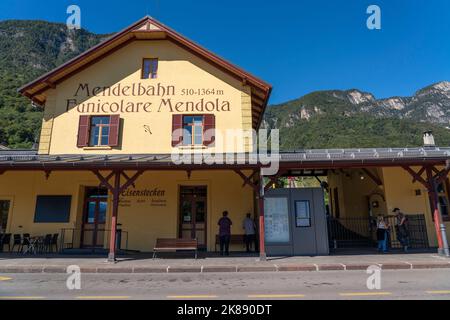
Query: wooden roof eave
{"x":140,"y":30}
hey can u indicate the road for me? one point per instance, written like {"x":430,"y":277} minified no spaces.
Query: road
{"x":407,"y":284}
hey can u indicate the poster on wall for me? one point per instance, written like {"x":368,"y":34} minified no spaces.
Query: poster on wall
{"x":302,"y":214}
{"x":276,"y":220}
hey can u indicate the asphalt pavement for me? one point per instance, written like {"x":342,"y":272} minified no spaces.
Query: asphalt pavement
{"x":394,"y":284}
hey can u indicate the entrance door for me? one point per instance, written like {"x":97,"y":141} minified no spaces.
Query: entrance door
{"x":193,"y":214}
{"x":5,"y":205}
{"x":94,"y":218}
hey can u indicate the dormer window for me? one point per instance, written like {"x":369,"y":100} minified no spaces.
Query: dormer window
{"x":150,"y":68}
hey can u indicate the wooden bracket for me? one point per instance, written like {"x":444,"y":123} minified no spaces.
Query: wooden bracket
{"x":273,"y":179}
{"x":373,"y":176}
{"x":117,"y":188}
{"x":248,"y":180}
{"x":442,"y":175}
{"x":128,"y":179}
{"x":417,"y":176}
{"x":47,"y":174}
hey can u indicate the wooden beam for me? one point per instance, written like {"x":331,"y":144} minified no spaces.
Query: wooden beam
{"x":131,"y":180}
{"x":128,"y":179}
{"x":259,"y":93}
{"x":273,"y":180}
{"x":417,"y":177}
{"x":421,"y":171}
{"x":248,"y":180}
{"x":257,"y":100}
{"x":116,"y":188}
{"x":441,"y":175}
{"x":47,"y":174}
{"x":104,"y":181}
{"x":374,"y":177}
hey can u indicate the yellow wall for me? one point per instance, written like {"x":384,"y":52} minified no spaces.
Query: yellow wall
{"x":178,"y":68}
{"x":400,"y":192}
{"x":355,"y":194}
{"x":143,"y":221}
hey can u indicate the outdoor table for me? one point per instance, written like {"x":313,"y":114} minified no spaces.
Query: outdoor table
{"x":34,"y":244}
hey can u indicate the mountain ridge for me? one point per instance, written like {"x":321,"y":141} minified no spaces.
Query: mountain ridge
{"x":362,"y":112}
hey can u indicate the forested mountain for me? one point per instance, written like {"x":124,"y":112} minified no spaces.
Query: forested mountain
{"x":27,"y":50}
{"x":352,"y":118}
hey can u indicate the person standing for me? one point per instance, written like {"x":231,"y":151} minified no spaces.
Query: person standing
{"x":250,"y":230}
{"x":225,"y":224}
{"x":382,"y":234}
{"x":401,"y":228}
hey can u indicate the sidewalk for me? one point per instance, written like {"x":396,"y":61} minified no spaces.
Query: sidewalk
{"x":145,"y":264}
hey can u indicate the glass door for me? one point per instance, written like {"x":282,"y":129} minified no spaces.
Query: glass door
{"x":96,"y":204}
{"x":193,"y":214}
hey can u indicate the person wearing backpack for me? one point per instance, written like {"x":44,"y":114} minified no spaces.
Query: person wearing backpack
{"x":402,"y":228}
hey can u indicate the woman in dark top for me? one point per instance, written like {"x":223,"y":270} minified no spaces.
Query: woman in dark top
{"x":225,"y":233}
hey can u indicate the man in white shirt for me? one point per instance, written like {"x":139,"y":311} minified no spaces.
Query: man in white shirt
{"x":250,"y":230}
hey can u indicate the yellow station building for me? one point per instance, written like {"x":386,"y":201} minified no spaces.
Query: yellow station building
{"x":115,"y":116}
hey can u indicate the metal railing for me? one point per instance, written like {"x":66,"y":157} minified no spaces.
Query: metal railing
{"x":350,"y":232}
{"x":417,"y":230}
{"x":361,"y":232}
{"x":72,"y":238}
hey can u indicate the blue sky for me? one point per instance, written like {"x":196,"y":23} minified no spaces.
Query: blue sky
{"x":298,"y":46}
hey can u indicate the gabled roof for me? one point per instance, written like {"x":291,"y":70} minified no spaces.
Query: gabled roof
{"x":149,"y":29}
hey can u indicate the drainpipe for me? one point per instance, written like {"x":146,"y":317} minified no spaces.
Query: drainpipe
{"x":262,"y":242}
{"x":438,"y":221}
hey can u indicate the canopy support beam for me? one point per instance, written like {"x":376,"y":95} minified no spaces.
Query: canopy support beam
{"x":116,"y":188}
{"x":431,"y":183}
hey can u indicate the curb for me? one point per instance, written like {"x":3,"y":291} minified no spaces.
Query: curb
{"x":227,"y":269}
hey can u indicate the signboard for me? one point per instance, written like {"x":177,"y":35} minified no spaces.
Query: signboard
{"x":153,"y":197}
{"x":137,"y":97}
{"x":276,"y":217}
{"x":302,"y":214}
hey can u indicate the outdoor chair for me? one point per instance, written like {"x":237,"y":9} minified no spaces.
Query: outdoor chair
{"x":26,"y":241}
{"x":17,"y":241}
{"x":5,"y":240}
{"x":54,"y":242}
{"x":47,"y":244}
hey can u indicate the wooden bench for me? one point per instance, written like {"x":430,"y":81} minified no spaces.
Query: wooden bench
{"x":175,"y":245}
{"x":234,"y":239}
